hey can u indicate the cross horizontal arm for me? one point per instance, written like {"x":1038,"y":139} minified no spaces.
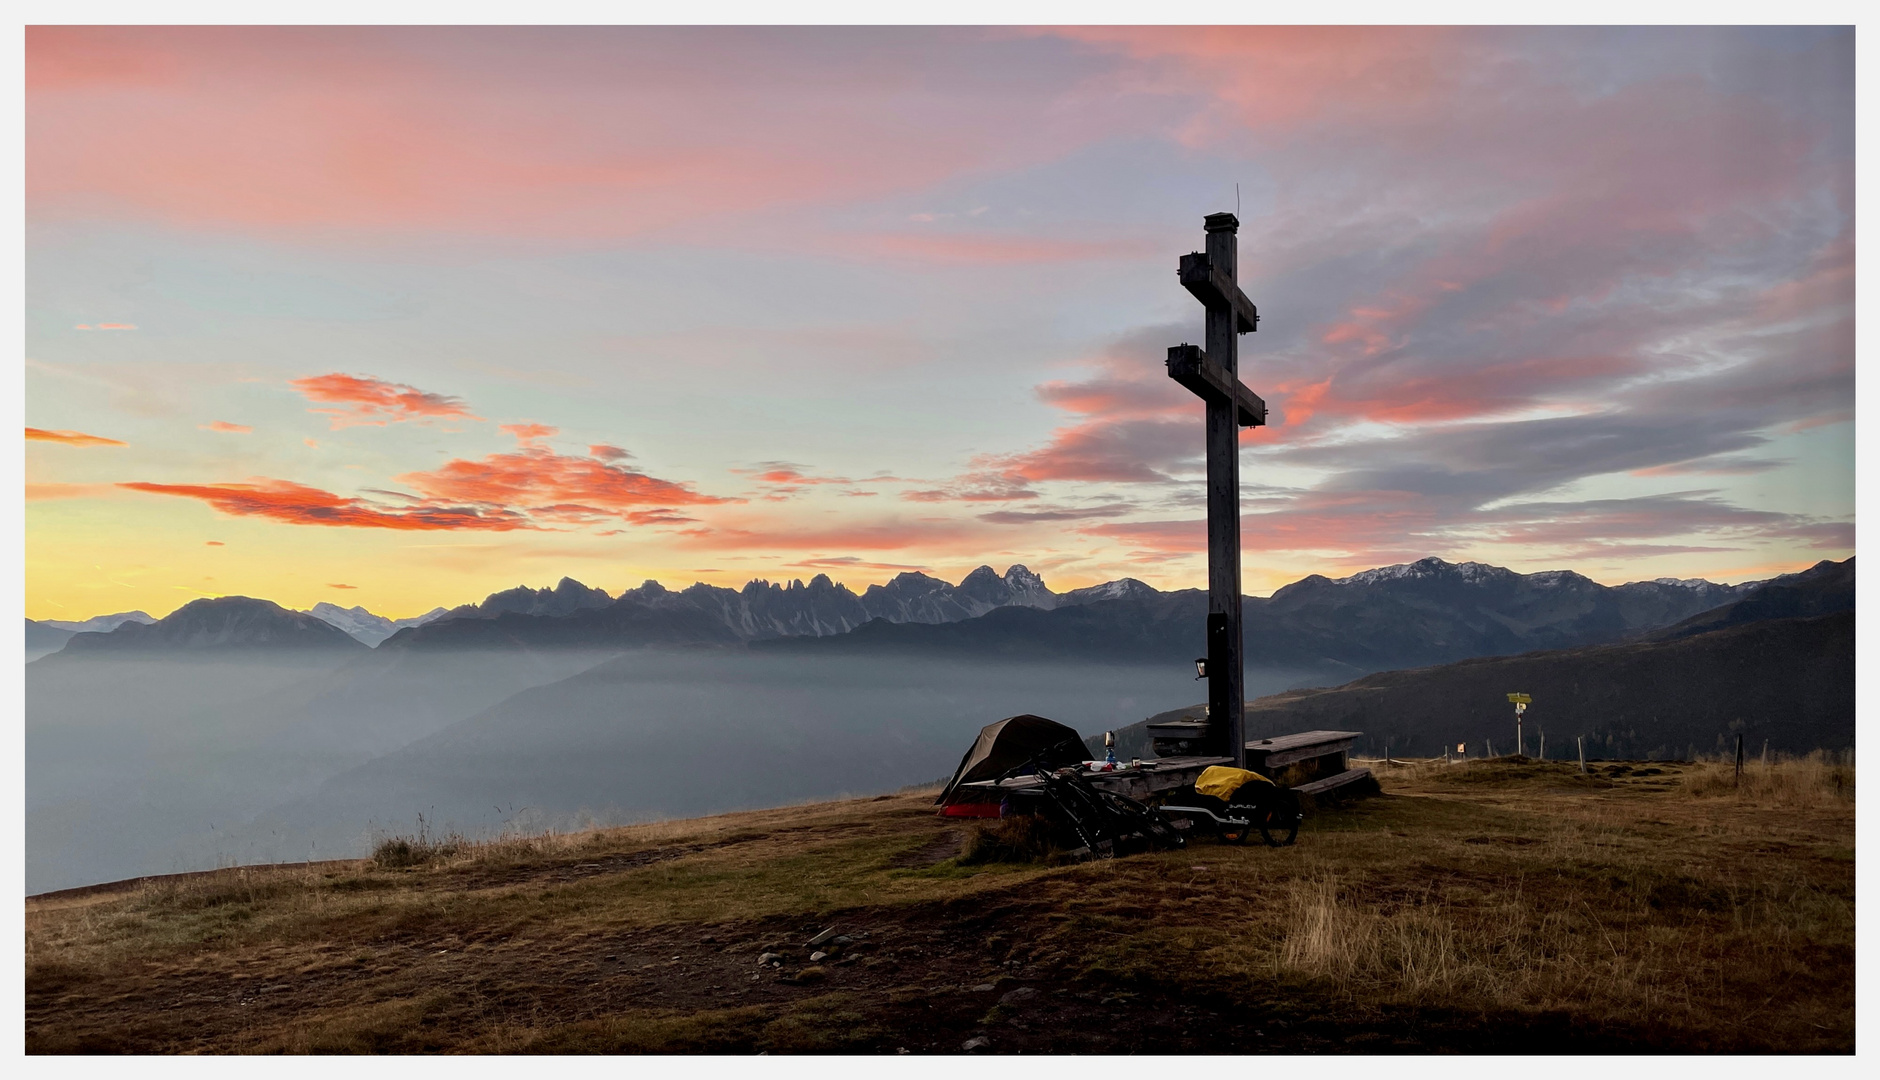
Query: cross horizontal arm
{"x":1217,"y":293}
{"x":1188,"y":365}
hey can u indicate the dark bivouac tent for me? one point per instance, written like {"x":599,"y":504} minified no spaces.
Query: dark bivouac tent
{"x":1005,"y":746}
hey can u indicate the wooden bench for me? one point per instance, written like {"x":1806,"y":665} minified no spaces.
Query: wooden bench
{"x":1316,"y":764}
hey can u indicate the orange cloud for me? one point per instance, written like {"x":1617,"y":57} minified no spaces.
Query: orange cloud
{"x":542,"y":483}
{"x":527,"y":434}
{"x":362,"y":399}
{"x":213,"y":543}
{"x":297,"y":504}
{"x":330,"y":585}
{"x":70,"y":438}
{"x":226,"y":427}
{"x":105,"y":326}
{"x":608,"y":453}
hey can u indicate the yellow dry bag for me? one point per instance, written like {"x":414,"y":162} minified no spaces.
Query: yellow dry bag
{"x":1221,"y":781}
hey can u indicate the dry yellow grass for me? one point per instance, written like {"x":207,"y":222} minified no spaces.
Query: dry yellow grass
{"x":1643,"y":906}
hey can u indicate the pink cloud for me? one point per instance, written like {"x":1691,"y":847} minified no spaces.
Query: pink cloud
{"x":362,"y":399}
{"x":226,"y":427}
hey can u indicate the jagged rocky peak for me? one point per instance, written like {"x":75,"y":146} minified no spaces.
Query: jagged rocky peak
{"x":565,"y":598}
{"x":1019,"y":576}
{"x":984,"y":584}
{"x":910,"y":583}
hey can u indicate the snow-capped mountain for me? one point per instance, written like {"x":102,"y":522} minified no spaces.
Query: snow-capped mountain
{"x":101,"y":624}
{"x":365,"y":627}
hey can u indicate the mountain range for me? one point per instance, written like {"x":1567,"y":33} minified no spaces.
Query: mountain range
{"x":1776,"y":664}
{"x":206,"y":737}
{"x":1409,"y":615}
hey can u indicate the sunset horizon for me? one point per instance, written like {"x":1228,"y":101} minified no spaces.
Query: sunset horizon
{"x":401,"y":317}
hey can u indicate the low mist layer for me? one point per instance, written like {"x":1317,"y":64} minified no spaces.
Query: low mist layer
{"x":139,"y":766}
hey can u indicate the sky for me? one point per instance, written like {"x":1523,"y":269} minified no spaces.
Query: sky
{"x":403,"y":316}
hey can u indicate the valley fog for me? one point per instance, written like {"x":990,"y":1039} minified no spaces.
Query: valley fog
{"x":157,"y":766}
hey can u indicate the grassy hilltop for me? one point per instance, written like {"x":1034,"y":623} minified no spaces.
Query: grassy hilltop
{"x":1498,"y":906}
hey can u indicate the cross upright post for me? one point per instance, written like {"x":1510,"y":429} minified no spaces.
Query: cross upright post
{"x":1214,"y":376}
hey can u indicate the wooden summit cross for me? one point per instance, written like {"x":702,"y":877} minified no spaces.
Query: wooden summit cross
{"x":1214,"y":376}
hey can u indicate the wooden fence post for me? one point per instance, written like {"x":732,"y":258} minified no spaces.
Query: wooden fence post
{"x":1491,"y":748}
{"x":1543,"y":750}
{"x":1765,"y":753}
{"x":1739,"y":760}
{"x":1580,"y":740}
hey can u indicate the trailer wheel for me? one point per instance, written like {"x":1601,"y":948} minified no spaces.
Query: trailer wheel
{"x":1279,"y":819}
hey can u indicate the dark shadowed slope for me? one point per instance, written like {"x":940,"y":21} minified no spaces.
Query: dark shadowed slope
{"x":1822,"y":589}
{"x":1789,"y":681}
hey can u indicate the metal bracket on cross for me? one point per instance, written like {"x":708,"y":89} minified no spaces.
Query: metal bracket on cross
{"x":1188,"y":365}
{"x":1217,"y":290}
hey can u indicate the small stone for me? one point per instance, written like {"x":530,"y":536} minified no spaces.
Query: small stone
{"x":979,"y":1043}
{"x":1013,"y":997}
{"x":610,"y":956}
{"x":708,"y":939}
{"x":770,"y":958}
{"x":818,"y":956}
{"x":810,"y":975}
{"x":982,"y":988}
{"x":842,"y":941}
